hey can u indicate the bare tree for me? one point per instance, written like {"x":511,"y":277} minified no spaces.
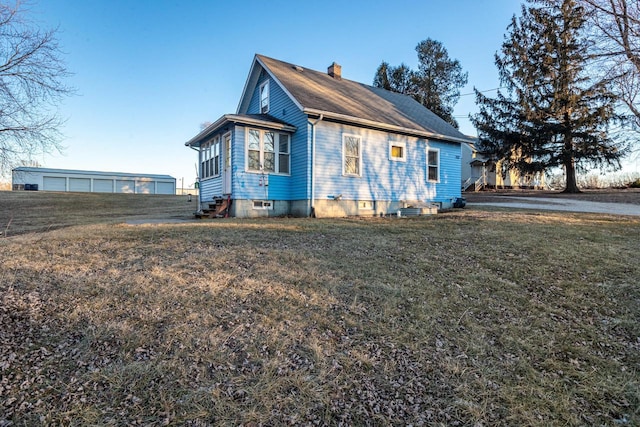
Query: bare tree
{"x":616,"y":28}
{"x":31,"y":88}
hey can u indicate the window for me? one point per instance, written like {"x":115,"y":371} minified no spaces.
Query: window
{"x":365,"y":205}
{"x":264,"y":97}
{"x":263,"y":204}
{"x":254,"y":150}
{"x":210,"y":165}
{"x":268,"y":156}
{"x":204,"y":150}
{"x":351,"y":155}
{"x":433,"y":164}
{"x":215,"y":157}
{"x":210,"y":157}
{"x":398,"y":151}
{"x":283,"y":154}
{"x":268,"y":151}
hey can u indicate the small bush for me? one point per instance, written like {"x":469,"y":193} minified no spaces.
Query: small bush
{"x":635,"y":184}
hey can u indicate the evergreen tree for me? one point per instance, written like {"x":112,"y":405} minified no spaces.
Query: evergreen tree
{"x":553,"y":114}
{"x":397,"y":79}
{"x":438,"y":80}
{"x":435,"y":84}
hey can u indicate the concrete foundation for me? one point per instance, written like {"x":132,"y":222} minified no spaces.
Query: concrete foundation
{"x":328,"y":208}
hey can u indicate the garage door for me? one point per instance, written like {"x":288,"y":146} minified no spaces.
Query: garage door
{"x":103,"y":185}
{"x":80,"y":184}
{"x":125,"y":186}
{"x":145,"y":187}
{"x":54,"y":183}
{"x":165,"y":188}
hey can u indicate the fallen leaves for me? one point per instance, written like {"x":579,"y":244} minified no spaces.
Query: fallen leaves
{"x":318,"y":323}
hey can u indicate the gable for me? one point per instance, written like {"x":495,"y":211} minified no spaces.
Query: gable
{"x":251,"y":85}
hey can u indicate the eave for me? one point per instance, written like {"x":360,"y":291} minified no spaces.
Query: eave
{"x":383,"y":126}
{"x":237,"y":119}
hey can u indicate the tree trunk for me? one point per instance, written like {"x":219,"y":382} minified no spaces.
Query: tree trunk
{"x":570,"y":175}
{"x":569,"y":158}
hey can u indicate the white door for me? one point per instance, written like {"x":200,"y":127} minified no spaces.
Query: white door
{"x":227,"y":164}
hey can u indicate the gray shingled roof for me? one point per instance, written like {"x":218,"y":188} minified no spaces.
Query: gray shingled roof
{"x":315,"y":91}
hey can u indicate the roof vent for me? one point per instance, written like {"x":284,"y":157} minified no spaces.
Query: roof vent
{"x":298,"y":68}
{"x":335,"y":71}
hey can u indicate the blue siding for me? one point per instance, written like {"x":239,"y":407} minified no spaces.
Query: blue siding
{"x":210,"y":188}
{"x":295,"y":186}
{"x":382,"y":178}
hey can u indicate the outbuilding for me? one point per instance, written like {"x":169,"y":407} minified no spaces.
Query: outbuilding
{"x":45,"y":179}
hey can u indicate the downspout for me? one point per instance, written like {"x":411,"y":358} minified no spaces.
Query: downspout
{"x":198,"y":207}
{"x":313,"y":124}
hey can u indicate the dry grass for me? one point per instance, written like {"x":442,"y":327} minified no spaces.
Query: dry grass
{"x":481,"y":317}
{"x":25,"y":211}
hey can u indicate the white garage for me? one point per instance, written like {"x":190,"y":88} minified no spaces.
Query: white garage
{"x":44,"y":179}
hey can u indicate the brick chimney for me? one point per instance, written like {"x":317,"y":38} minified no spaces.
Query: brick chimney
{"x":335,"y":71}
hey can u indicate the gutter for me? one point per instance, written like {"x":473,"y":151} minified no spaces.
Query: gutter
{"x":384,"y":126}
{"x":313,"y":124}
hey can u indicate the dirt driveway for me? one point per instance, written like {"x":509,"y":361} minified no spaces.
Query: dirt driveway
{"x":615,"y":202}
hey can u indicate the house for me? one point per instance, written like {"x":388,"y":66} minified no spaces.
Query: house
{"x":478,"y":169}
{"x":481,"y":171}
{"x":309,"y":143}
{"x":47,"y":179}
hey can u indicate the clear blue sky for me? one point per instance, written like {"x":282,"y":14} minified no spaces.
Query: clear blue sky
{"x":149,"y":72}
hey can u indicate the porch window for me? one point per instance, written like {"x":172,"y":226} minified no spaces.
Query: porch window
{"x":351,"y":155}
{"x":210,"y":165}
{"x":268,"y":151}
{"x":264,"y":97}
{"x":203,"y":160}
{"x":215,"y":157}
{"x":433,"y":164}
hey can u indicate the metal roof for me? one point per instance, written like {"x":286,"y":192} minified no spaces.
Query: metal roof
{"x":85,"y":172}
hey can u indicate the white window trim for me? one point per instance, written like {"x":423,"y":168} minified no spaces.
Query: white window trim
{"x":224,"y":149}
{"x":344,"y":137}
{"x":436,"y":150}
{"x":404,"y":151}
{"x":265,"y":83}
{"x":276,"y":151}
